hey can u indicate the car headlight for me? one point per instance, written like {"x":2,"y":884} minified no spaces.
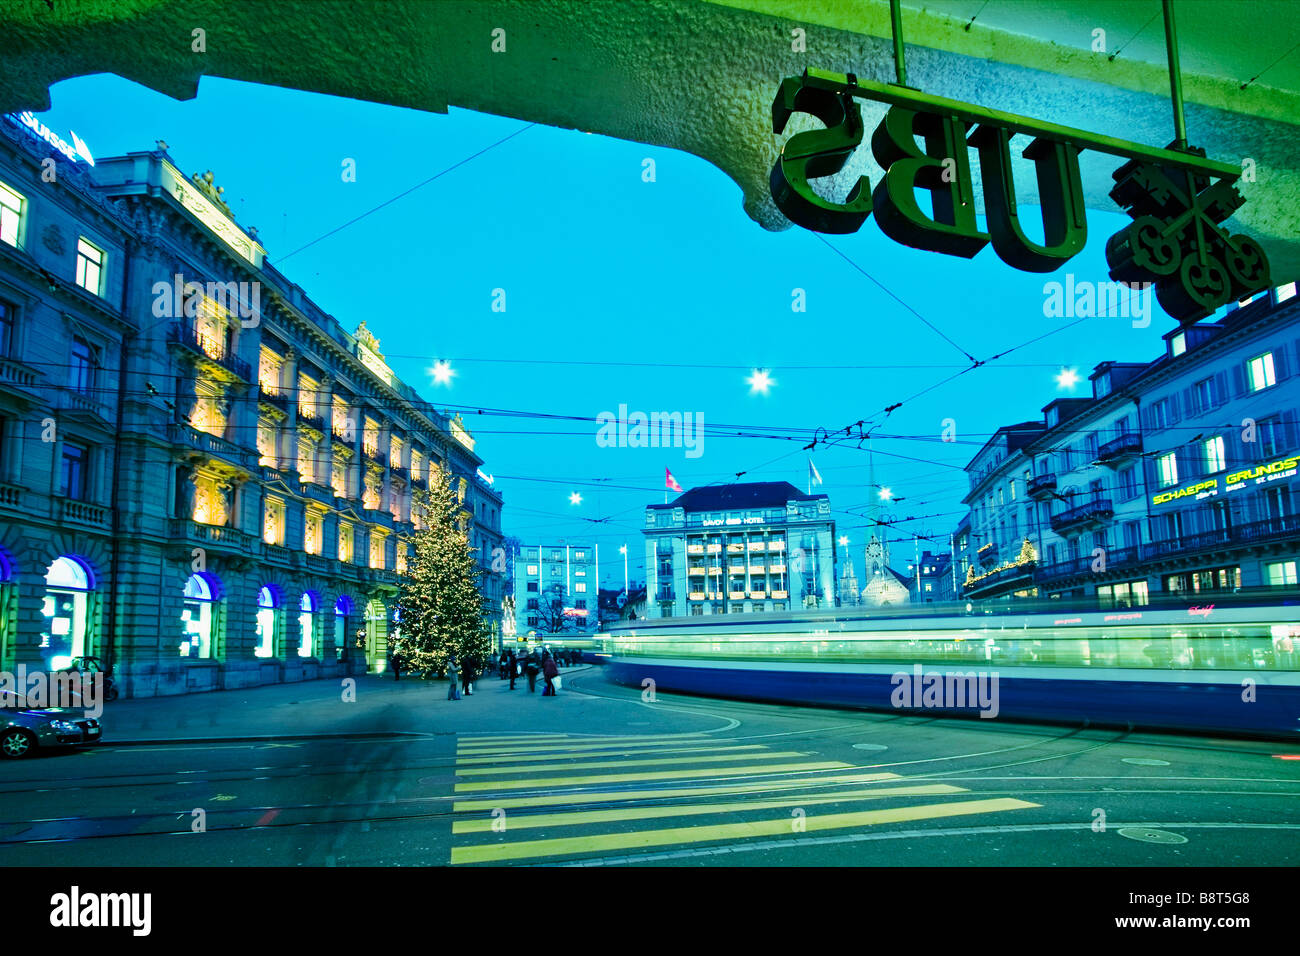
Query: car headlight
{"x":64,"y":727}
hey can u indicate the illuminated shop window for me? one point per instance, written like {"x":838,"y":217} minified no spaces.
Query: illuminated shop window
{"x":306,"y":612}
{"x":265,"y":623}
{"x":196,"y":619}
{"x":64,"y":608}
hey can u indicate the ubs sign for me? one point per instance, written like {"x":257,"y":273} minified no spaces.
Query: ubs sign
{"x":1177,"y":197}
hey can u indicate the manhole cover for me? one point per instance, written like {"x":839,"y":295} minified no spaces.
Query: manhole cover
{"x":1145,"y":835}
{"x":870,"y":747}
{"x":1146,"y":762}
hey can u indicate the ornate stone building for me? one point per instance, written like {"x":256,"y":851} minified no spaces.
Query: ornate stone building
{"x":234,"y":509}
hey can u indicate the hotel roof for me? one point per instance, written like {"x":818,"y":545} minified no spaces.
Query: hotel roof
{"x":737,"y":497}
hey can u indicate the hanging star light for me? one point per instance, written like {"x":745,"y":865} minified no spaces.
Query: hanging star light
{"x":760,"y":381}
{"x":575,"y":499}
{"x":1067,"y":378}
{"x":441,"y":372}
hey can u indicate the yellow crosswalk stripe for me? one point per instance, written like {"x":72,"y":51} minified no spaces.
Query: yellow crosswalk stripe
{"x":530,"y":821}
{"x":652,"y":762}
{"x":545,"y":782}
{"x":607,"y":842}
{"x":630,"y":751}
{"x":559,"y":750}
{"x":606,"y":796}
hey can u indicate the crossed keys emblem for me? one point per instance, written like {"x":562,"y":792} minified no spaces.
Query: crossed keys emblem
{"x":1175,"y":240}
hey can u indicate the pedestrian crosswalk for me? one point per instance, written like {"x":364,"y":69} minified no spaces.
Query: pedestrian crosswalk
{"x":544,"y":798}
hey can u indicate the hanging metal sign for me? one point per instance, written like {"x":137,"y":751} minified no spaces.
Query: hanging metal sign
{"x":1177,"y":198}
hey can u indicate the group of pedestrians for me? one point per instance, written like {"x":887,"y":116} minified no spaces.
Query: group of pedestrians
{"x":512,"y":666}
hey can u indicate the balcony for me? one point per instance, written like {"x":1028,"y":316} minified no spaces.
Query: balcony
{"x":758,"y":593}
{"x":736,"y":595}
{"x":182,"y":434}
{"x":735,"y":549}
{"x":1003,"y":579}
{"x":421,"y":483}
{"x":274,"y":399}
{"x":1257,"y":532}
{"x":776,"y":546}
{"x":695,"y":549}
{"x":17,"y":375}
{"x":780,"y":595}
{"x":213,"y":537}
{"x":1092,"y":514}
{"x":211,"y":351}
{"x":374,"y":457}
{"x":76,"y":405}
{"x":1120,"y":449}
{"x":71,"y":511}
{"x":310,"y":419}
{"x":696,"y":595}
{"x":988,"y":554}
{"x":757,"y":545}
{"x":778,"y":568}
{"x":398,"y":471}
{"x":699,"y":570}
{"x":1041,"y":486}
{"x":11,"y":496}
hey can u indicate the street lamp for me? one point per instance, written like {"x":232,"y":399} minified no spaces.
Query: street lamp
{"x":623,"y":551}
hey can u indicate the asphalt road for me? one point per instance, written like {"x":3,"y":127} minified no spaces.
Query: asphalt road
{"x":599,"y":776}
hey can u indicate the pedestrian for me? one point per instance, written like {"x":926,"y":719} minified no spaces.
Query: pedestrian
{"x":453,"y":674}
{"x":531,"y":668}
{"x":468,"y":671}
{"x":550,"y":671}
{"x":395,"y":661}
{"x":515,"y":669}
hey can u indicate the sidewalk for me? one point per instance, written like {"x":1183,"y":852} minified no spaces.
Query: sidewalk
{"x":316,"y":709}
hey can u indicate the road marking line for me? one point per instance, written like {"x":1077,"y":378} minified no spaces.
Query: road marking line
{"x":593,"y":739}
{"x":630,"y":751}
{"x":601,"y":796}
{"x":489,"y":853}
{"x":656,"y":761}
{"x":668,"y":746}
{"x":523,"y":822}
{"x":546,"y":782}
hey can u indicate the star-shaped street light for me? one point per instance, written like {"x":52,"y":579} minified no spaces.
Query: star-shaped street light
{"x":441,"y":372}
{"x":760,"y":381}
{"x":575,"y":499}
{"x":886,"y":494}
{"x":1066,"y":379}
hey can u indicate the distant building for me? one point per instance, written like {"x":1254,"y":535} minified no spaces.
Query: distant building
{"x":619,"y":605}
{"x":1176,"y":476}
{"x":935,"y":573}
{"x":556,"y":589}
{"x":740,"y":548}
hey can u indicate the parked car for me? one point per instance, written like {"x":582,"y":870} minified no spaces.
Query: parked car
{"x":24,"y":729}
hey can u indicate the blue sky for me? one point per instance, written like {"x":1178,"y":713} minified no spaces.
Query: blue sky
{"x":599,"y":266}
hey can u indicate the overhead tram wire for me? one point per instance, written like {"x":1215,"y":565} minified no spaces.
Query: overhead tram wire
{"x":406,"y":192}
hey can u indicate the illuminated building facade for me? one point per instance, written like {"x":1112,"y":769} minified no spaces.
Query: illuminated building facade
{"x":740,"y":548}
{"x":1178,"y":476}
{"x":233,"y":510}
{"x":556,"y":589}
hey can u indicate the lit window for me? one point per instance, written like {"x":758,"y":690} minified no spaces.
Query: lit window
{"x":345,"y":541}
{"x":1167,"y":469}
{"x":580,"y":587}
{"x":307,"y":608}
{"x":11,"y":215}
{"x":1260,"y":372}
{"x":1214,"y":457}
{"x":90,"y":267}
{"x":1178,"y":344}
{"x":1281,"y":573}
{"x":532,"y":569}
{"x":196,"y":618}
{"x":265,"y":623}
{"x":1285,"y":292}
{"x":273,"y":521}
{"x":266,"y":444}
{"x":312,"y":533}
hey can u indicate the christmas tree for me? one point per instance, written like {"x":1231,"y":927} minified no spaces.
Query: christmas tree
{"x":439,"y":603}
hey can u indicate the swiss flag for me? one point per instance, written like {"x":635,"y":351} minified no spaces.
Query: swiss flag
{"x":670,"y":482}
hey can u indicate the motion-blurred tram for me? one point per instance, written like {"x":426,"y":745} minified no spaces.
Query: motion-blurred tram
{"x":1207,"y":668}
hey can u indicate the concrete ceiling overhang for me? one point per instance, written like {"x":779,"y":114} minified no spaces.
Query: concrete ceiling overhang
{"x":700,"y":75}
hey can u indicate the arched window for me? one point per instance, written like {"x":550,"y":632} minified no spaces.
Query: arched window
{"x":265,"y":623}
{"x":67,"y":589}
{"x":197,"y":618}
{"x":307,"y":610}
{"x":342,"y":608}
